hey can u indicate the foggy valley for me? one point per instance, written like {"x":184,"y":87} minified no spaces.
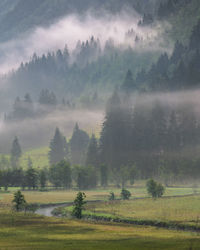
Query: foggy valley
{"x":99,"y":124}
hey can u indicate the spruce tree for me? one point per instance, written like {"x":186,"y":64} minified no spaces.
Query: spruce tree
{"x":16,"y":152}
{"x":19,"y":201}
{"x":79,"y":203}
{"x":129,"y":83}
{"x":60,"y":174}
{"x":78,"y":145}
{"x":92,"y":153}
{"x":30,"y":163}
{"x":42,"y":178}
{"x":115,"y":139}
{"x":57,"y":148}
{"x":31,"y":178}
{"x":104,"y":175}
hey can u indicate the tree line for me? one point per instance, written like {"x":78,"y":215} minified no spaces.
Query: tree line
{"x":141,"y":138}
{"x":160,"y":138}
{"x":27,"y":108}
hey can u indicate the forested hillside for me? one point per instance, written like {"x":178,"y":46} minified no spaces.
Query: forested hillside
{"x":18,"y":16}
{"x":141,"y":56}
{"x":180,"y":71}
{"x":94,"y":69}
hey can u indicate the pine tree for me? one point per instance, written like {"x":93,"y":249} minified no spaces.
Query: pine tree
{"x":16,"y":152}
{"x":115,"y":137}
{"x":60,"y":174}
{"x":129,"y":83}
{"x":30,"y":163}
{"x":104,"y":175}
{"x":92,"y":153}
{"x":43,"y":178}
{"x":79,"y":203}
{"x":19,"y":201}
{"x":78,"y":145}
{"x":28,"y":106}
{"x":47,"y":98}
{"x":31,"y":178}
{"x":57,"y":151}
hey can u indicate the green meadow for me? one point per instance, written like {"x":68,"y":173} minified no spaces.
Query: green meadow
{"x":61,"y":196}
{"x":28,"y":231}
{"x":179,"y":210}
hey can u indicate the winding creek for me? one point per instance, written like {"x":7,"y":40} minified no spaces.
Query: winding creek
{"x":47,"y":210}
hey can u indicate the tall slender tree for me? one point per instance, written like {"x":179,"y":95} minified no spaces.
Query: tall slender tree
{"x":92,"y":153}
{"x":78,"y":145}
{"x":16,"y":152}
{"x":57,"y":148}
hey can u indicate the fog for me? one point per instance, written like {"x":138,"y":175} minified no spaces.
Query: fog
{"x":69,"y":30}
{"x":38,"y":132}
{"x":187,"y":97}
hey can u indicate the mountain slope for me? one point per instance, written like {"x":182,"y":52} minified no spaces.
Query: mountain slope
{"x":18,"y":16}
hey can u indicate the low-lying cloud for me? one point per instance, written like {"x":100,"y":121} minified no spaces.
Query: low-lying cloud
{"x":70,"y":30}
{"x":38,"y":132}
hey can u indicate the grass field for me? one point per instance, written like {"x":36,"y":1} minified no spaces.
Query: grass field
{"x":180,"y":210}
{"x":29,"y":231}
{"x":19,"y":231}
{"x":60,"y":196}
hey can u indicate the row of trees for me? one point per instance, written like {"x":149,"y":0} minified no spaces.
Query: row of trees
{"x":30,"y":178}
{"x":139,"y":139}
{"x":83,"y":150}
{"x":158,"y":137}
{"x":88,"y":68}
{"x":60,"y":175}
{"x":26,"y":108}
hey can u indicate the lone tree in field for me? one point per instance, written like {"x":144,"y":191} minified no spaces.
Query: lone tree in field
{"x":156,"y":190}
{"x":125,"y":194}
{"x":79,"y":203}
{"x":16,"y":152}
{"x":19,"y":201}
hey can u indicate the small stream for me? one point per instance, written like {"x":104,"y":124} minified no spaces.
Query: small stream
{"x":47,"y":210}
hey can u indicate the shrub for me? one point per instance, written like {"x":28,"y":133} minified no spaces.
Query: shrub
{"x":156,"y":190}
{"x":111,"y":196}
{"x":125,"y":194}
{"x":19,"y":201}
